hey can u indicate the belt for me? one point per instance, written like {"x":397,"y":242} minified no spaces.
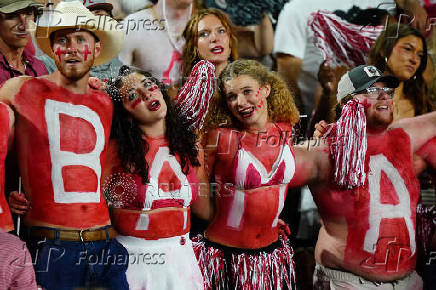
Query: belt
{"x":87,"y":235}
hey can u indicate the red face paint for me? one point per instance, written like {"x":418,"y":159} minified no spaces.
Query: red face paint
{"x":153,"y":88}
{"x":365,"y":103}
{"x":260,"y":104}
{"x":261,"y":100}
{"x":86,"y":52}
{"x":60,"y":52}
{"x":135,"y":103}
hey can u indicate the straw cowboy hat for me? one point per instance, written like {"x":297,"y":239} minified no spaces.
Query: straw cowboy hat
{"x":74,"y":15}
{"x":10,"y":6}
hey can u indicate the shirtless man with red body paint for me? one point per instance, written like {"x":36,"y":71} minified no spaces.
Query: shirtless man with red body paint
{"x":6,"y":130}
{"x":367,"y":238}
{"x":62,"y":129}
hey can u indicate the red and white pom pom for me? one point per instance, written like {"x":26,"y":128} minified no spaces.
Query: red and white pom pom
{"x":348,"y":150}
{"x":341,"y":42}
{"x":245,"y":271}
{"x":193,"y":99}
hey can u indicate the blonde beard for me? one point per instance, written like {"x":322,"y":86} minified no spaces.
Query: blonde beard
{"x":75,"y":75}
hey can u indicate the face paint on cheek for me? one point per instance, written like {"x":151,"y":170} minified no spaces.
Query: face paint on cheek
{"x":261,"y":103}
{"x":153,"y":88}
{"x":135,"y":103}
{"x":86,"y":52}
{"x":365,"y":104}
{"x":59,"y":52}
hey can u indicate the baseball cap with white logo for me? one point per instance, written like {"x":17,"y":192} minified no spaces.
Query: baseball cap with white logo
{"x":362,"y":77}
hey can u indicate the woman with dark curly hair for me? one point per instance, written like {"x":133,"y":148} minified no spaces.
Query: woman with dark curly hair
{"x":153,"y":178}
{"x":251,"y":162}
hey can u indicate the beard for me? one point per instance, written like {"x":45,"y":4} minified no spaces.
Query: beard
{"x":75,"y":73}
{"x":378,"y":120}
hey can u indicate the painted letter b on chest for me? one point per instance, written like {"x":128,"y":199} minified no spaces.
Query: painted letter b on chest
{"x":76,"y":140}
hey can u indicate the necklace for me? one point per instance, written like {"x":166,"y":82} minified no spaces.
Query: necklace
{"x":24,"y":62}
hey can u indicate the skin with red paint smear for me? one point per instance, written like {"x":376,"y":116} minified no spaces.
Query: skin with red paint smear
{"x":135,"y":103}
{"x":74,"y":45}
{"x":166,"y":217}
{"x":261,"y":203}
{"x":153,"y":88}
{"x":244,"y":92}
{"x":261,"y":103}
{"x":6,"y":222}
{"x":59,"y":52}
{"x":345,"y":215}
{"x":74,"y":136}
{"x":86,"y":52}
{"x":136,"y":84}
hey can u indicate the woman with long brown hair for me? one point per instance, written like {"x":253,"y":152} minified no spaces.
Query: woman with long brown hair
{"x":401,"y":50}
{"x":209,"y":35}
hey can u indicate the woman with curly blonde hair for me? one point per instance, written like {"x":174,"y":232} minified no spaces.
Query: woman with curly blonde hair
{"x":250,"y":163}
{"x":209,"y":35}
{"x":281,"y":105}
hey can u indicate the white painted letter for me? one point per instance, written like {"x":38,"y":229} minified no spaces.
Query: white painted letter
{"x":60,"y":158}
{"x":379,"y":211}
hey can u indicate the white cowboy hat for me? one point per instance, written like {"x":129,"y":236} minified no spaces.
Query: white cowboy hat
{"x":75,"y":15}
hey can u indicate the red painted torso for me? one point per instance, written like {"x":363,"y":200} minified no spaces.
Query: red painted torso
{"x":251,"y":172}
{"x":427,"y":152}
{"x":160,"y":208}
{"x":61,"y":144}
{"x":380,"y":216}
{"x":6,"y":222}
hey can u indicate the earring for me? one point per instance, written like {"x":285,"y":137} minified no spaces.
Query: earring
{"x":386,"y":60}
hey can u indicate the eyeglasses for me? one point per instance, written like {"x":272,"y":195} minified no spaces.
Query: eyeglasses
{"x":375,"y":92}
